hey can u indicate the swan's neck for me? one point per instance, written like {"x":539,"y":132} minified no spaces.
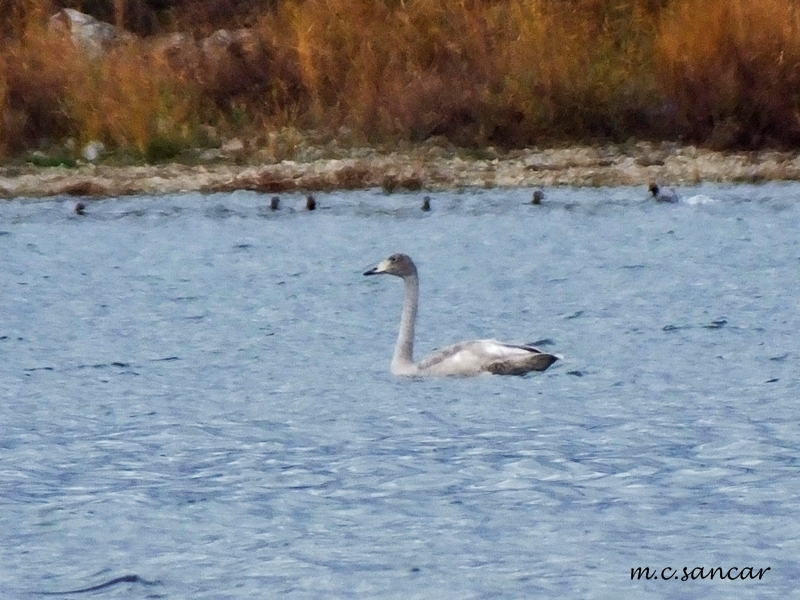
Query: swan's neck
{"x":403,"y":360}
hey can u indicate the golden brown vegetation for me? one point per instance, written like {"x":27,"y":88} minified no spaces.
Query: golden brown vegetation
{"x":731,"y":69}
{"x":502,"y":72}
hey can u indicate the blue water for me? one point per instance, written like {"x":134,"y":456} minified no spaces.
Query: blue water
{"x":196,"y":390}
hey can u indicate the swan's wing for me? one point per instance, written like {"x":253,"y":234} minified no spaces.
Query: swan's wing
{"x":519,"y":359}
{"x":528,"y":348}
{"x":443,"y":355}
{"x":485,"y":356}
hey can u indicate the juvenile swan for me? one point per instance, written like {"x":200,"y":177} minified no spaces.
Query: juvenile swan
{"x":466,"y":358}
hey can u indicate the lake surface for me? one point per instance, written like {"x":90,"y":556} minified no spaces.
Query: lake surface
{"x":196,"y":390}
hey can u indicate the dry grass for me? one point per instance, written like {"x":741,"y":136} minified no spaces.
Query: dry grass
{"x":140,"y":105}
{"x":732,"y":70}
{"x":33,"y":87}
{"x":505,"y":72}
{"x":50,"y":91}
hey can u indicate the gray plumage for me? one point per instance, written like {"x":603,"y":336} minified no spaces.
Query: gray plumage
{"x":465,"y":358}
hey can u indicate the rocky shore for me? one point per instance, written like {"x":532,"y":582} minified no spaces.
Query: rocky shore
{"x":428,"y":166}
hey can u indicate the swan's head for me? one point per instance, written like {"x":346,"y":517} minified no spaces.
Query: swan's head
{"x":397,"y":264}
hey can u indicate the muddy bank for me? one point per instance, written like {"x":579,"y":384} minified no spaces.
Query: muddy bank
{"x":428,"y":167}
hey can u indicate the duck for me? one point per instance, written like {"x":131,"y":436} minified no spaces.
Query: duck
{"x":663,"y":194}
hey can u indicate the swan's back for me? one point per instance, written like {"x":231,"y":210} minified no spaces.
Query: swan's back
{"x":485,"y":356}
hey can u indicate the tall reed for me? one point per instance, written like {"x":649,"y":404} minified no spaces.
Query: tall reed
{"x":502,"y":72}
{"x":732,"y":69}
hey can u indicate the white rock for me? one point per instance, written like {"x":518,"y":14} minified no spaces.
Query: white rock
{"x":93,"y":36}
{"x":93,"y":150}
{"x":233,"y":146}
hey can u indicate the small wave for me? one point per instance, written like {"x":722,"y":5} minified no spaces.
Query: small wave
{"x":101,"y":586}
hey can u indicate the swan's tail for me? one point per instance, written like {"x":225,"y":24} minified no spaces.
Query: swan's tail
{"x":535,"y":361}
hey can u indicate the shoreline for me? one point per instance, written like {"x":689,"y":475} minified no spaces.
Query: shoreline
{"x":423,"y":167}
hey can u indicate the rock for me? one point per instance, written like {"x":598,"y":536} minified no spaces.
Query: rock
{"x":367,"y":168}
{"x":91,"y":35}
{"x":176,"y":50}
{"x":224,"y":44}
{"x":233,"y":146}
{"x":230,"y":59}
{"x":210,"y":155}
{"x":227,"y":61}
{"x":93,"y":150}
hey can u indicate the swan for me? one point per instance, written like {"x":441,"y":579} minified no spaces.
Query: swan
{"x":465,"y":358}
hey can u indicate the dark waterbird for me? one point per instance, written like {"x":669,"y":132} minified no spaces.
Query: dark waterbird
{"x":662,"y":194}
